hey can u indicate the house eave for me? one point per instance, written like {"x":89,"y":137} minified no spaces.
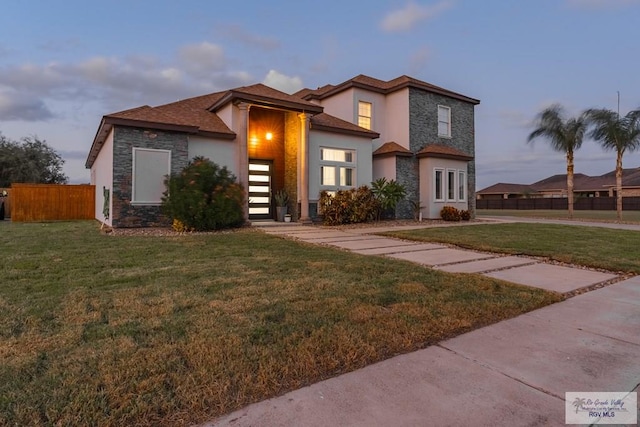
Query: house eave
{"x":264,"y":101}
{"x":392,"y":154}
{"x":363,"y":133}
{"x":445,"y":156}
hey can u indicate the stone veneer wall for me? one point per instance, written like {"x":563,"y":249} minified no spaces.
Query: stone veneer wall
{"x":291,"y":135}
{"x":423,"y":130}
{"x":408,"y":175}
{"x":124,"y":140}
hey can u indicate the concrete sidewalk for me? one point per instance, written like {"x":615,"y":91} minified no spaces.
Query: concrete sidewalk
{"x":512,"y":373}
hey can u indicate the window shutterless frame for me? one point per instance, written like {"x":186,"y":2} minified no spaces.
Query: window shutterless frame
{"x":148,"y":172}
{"x":444,"y":121}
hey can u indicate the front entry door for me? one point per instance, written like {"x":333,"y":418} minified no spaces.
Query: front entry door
{"x":260,"y":177}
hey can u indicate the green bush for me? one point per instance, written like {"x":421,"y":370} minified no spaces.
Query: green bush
{"x":449,"y":213}
{"x":204,"y":197}
{"x":388,"y":194}
{"x":348,"y":206}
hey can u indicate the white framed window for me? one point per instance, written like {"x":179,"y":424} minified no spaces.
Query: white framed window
{"x":444,"y":121}
{"x":462,"y":186}
{"x":451,"y":185}
{"x":438,"y":185}
{"x":150,"y":168}
{"x":364,"y":114}
{"x":337,"y":168}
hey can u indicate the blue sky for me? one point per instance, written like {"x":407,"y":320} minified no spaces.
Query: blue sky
{"x":63,"y":65}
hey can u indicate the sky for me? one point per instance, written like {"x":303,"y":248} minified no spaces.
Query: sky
{"x":63,"y":65}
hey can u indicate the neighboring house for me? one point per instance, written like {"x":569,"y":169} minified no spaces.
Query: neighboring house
{"x":556,"y":186}
{"x":334,"y":137}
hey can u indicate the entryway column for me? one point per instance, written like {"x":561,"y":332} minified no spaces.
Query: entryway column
{"x":303,"y":154}
{"x":243,"y":159}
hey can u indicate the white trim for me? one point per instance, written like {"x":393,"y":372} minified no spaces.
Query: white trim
{"x":448,"y":121}
{"x":133,"y":175}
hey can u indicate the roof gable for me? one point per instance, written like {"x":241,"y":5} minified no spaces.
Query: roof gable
{"x":266,"y":96}
{"x":392,"y":148}
{"x":381,"y":86}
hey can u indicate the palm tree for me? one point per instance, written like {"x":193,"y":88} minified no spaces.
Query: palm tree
{"x":565,"y":135}
{"x":616,"y":133}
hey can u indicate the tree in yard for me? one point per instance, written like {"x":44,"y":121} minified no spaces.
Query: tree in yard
{"x":565,"y":135}
{"x":30,"y":161}
{"x":616,"y":133}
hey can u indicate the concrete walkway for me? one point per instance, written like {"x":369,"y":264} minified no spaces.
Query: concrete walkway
{"x":517,"y":269}
{"x":511,"y":373}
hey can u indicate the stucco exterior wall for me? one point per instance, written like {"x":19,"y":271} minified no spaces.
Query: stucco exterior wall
{"x":362,"y":147}
{"x":102,"y":177}
{"x":384,"y":167}
{"x":226,"y":115}
{"x":221,"y":152}
{"x":396,"y":119}
{"x":124,"y":213}
{"x":340,"y":105}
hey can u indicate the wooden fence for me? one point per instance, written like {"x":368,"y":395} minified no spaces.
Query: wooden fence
{"x":582,"y":203}
{"x":51,"y":202}
{"x":7,"y":202}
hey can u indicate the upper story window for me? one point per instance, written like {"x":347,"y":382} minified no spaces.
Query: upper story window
{"x":364,"y":114}
{"x":444,"y":121}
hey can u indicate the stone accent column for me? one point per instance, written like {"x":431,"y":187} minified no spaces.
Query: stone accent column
{"x":243,"y":159}
{"x":303,"y":155}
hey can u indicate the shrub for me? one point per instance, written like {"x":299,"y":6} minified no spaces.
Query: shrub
{"x":449,"y":213}
{"x":203,"y":197}
{"x":465,"y":215}
{"x":388,"y":193}
{"x":348,"y":206}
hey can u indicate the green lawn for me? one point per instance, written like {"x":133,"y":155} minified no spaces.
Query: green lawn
{"x":123,"y":330}
{"x":627,"y":216}
{"x":615,"y":250}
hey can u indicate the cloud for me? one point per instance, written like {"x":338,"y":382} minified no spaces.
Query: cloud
{"x":15,"y":106}
{"x":413,"y":13}
{"x":282,"y":82}
{"x":237,"y":33}
{"x":601,"y":4}
{"x":115,"y":83}
{"x":202,"y":59}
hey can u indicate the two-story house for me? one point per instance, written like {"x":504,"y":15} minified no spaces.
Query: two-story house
{"x":334,"y":137}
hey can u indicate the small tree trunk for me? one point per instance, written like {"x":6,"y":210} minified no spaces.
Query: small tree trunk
{"x":570,"y":182}
{"x":619,"y":185}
